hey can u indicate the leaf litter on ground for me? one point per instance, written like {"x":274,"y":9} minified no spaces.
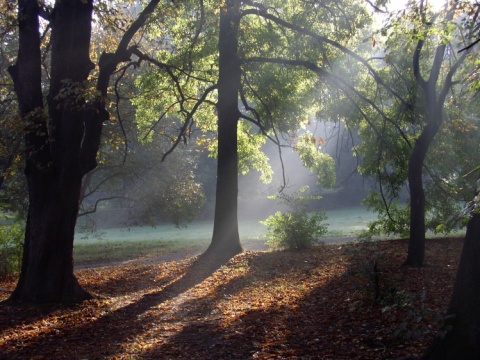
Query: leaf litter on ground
{"x":349,"y":301}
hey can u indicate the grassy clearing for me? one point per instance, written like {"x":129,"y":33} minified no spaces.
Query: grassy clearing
{"x":120,"y":244}
{"x":349,"y":221}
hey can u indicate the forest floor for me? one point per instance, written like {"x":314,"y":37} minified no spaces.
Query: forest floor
{"x":336,"y":301}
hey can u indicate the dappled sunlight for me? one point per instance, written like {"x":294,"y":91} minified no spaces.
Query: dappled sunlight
{"x":252,"y":283}
{"x":280,"y":304}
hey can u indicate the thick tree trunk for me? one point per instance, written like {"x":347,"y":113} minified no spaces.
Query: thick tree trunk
{"x":463,"y":340}
{"x":53,"y":164}
{"x":226,"y":239}
{"x":47,"y":266}
{"x":61,"y":153}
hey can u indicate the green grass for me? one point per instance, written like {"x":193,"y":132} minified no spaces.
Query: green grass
{"x":349,"y":221}
{"x":117,"y":251}
{"x":120,"y":244}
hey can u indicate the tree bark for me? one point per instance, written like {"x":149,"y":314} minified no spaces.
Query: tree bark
{"x":53,"y":162}
{"x":226,"y":239}
{"x":416,"y":244}
{"x":463,"y":340}
{"x":62,"y":145}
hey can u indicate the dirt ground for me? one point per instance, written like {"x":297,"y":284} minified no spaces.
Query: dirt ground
{"x":336,"y":301}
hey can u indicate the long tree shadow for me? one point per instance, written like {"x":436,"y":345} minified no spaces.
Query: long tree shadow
{"x":337,"y":319}
{"x":255,"y":333}
{"x":181,"y":320}
{"x":95,"y":336}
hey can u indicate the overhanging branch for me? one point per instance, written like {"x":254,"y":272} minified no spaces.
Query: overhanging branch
{"x":323,"y":39}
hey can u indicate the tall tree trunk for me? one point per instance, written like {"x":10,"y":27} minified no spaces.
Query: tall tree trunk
{"x":53,"y":151}
{"x":463,"y":340}
{"x":226,"y":239}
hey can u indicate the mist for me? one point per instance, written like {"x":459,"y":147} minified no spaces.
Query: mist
{"x":349,"y":191}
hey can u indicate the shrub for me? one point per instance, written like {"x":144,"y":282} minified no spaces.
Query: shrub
{"x":11,"y":246}
{"x":297,"y":228}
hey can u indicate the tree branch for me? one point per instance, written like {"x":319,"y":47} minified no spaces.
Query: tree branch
{"x":323,"y":39}
{"x":189,"y":119}
{"x":99,"y":201}
{"x":335,"y":80}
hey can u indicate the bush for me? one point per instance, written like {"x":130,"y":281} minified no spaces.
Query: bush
{"x":297,"y":228}
{"x":11,"y":246}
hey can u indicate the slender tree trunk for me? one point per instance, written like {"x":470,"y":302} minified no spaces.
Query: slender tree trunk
{"x":463,"y":340}
{"x":416,"y":244}
{"x":226,"y":240}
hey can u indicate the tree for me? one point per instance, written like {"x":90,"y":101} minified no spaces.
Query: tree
{"x":417,"y":80}
{"x":429,"y":116}
{"x":62,"y":137}
{"x":434,"y":94}
{"x":270,"y":93}
{"x":459,"y":337}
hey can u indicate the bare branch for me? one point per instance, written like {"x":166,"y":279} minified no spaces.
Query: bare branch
{"x":98,"y":202}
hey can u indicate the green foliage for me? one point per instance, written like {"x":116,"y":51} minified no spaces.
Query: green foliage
{"x":250,"y":155}
{"x":390,"y":132}
{"x":459,"y":215}
{"x":11,"y":246}
{"x":322,"y":164}
{"x":278,"y":99}
{"x":393,"y":219}
{"x":297,"y":228}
